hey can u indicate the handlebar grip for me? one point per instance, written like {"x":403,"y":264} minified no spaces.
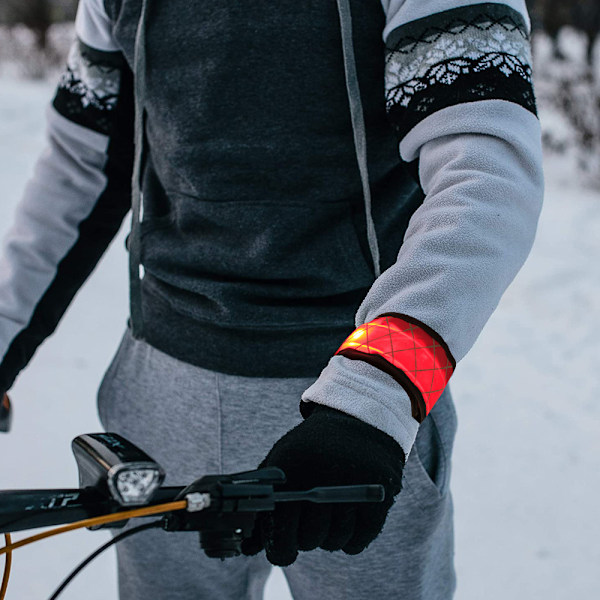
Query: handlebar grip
{"x":335,"y":494}
{"x":5,"y":414}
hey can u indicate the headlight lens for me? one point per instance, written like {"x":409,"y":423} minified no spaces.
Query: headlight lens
{"x":134,"y":486}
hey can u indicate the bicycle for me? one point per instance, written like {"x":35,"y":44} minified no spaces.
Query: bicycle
{"x":118,"y":481}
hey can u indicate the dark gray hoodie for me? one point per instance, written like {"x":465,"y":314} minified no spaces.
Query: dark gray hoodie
{"x":258,"y":192}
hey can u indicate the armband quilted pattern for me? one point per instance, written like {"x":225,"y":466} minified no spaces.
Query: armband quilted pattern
{"x":410,"y":351}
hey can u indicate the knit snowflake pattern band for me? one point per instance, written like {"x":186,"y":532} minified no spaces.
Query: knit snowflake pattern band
{"x":410,"y":351}
{"x":89,"y":87}
{"x":466,"y":54}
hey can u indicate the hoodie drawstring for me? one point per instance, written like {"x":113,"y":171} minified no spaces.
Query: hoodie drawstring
{"x":135,"y":251}
{"x":358,"y":125}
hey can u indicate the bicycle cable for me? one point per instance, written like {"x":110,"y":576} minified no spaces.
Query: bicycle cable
{"x":7,"y":565}
{"x":101,"y":520}
{"x":91,"y":557}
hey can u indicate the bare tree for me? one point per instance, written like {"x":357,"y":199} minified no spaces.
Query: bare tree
{"x":37,"y":15}
{"x":555,"y":14}
{"x":586,"y":18}
{"x":34,"y":14}
{"x":552,"y":15}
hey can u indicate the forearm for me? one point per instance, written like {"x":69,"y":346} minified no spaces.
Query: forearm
{"x":477,"y":152}
{"x":74,"y":203}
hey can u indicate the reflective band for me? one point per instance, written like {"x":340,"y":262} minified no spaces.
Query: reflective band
{"x":409,"y":351}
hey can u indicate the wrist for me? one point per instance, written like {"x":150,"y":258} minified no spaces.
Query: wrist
{"x":5,"y":413}
{"x":361,"y":430}
{"x":408,"y":350}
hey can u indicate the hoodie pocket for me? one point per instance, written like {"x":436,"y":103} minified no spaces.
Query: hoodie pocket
{"x":429,"y":464}
{"x":105,"y":399}
{"x":244,"y":260}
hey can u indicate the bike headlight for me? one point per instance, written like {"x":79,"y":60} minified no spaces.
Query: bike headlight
{"x":113,"y":465}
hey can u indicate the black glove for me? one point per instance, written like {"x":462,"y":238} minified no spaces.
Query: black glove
{"x":328,"y":448}
{"x":5,"y":413}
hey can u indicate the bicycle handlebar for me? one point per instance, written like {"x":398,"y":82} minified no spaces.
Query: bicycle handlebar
{"x":29,"y":509}
{"x":223,"y":508}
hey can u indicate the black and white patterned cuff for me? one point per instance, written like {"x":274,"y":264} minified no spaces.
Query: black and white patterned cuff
{"x":471,"y":53}
{"x":89,"y":87}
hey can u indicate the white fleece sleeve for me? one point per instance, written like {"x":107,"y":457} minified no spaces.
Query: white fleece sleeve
{"x":77,"y":196}
{"x":460,"y":98}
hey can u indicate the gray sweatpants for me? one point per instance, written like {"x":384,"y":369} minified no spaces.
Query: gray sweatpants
{"x":196,"y":422}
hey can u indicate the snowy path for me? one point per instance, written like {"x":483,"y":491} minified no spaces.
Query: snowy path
{"x":526,"y":467}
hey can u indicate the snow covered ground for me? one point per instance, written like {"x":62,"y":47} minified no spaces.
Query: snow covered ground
{"x":526,"y":479}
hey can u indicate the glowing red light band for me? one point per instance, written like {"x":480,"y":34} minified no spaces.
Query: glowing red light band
{"x":409,"y":351}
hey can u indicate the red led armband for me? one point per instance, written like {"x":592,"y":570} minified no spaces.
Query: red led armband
{"x":412,"y":353}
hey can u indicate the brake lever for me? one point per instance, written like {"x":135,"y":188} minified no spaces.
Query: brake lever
{"x":223,"y":508}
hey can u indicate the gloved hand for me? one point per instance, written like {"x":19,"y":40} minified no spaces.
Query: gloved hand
{"x":328,"y":448}
{"x":5,"y":413}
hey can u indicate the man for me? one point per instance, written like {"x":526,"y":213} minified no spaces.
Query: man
{"x":266,"y":268}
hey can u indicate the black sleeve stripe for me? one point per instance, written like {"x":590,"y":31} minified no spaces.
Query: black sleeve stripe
{"x":95,"y":234}
{"x":484,"y":16}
